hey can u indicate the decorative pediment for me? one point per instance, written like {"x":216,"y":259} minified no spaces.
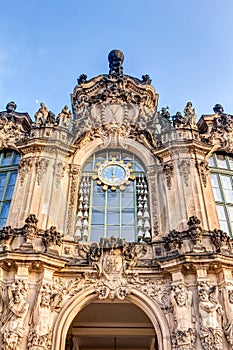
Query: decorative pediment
{"x":113,"y":104}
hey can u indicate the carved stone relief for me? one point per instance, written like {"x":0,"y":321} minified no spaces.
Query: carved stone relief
{"x":75,"y":174}
{"x":59,"y":170}
{"x":152,"y":183}
{"x":184,"y":168}
{"x":14,"y":314}
{"x":41,"y":165}
{"x":211,"y":334}
{"x":24,"y":168}
{"x":227,"y":293}
{"x":204,"y":170}
{"x":168,"y":170}
{"x":183,"y":336}
{"x":48,"y":304}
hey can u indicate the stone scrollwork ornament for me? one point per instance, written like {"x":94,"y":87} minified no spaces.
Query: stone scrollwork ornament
{"x":183,"y":337}
{"x":211,"y":334}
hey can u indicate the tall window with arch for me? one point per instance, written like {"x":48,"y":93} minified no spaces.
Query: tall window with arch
{"x":113,"y":198}
{"x":221,"y":166}
{"x":9,"y":161}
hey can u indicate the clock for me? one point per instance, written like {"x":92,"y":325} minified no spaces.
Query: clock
{"x":113,"y":174}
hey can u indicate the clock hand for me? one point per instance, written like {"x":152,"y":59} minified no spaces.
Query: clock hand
{"x":113,"y":172}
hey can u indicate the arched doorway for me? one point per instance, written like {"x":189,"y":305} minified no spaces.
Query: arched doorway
{"x":111,"y":326}
{"x":88,"y":296}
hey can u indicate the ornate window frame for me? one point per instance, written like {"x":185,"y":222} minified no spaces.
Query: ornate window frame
{"x":9,"y":160}
{"x":221,"y":166}
{"x":91,"y":189}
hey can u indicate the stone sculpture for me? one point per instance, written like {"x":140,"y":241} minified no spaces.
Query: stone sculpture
{"x":210,"y":311}
{"x":228,"y":320}
{"x":184,"y":334}
{"x":13,"y":317}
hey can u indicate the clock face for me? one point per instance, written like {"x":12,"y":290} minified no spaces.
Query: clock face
{"x":113,"y":174}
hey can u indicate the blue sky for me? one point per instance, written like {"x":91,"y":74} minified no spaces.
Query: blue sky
{"x":186,"y":46}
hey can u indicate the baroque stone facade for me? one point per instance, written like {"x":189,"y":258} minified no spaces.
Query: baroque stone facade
{"x":177,"y":271}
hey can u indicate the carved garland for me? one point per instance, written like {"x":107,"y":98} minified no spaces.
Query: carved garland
{"x":75,"y":175}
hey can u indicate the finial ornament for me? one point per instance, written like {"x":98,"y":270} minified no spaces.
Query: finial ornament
{"x":218,"y":109}
{"x":116,"y":58}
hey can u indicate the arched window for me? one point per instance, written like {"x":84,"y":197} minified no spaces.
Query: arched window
{"x":222,"y":183}
{"x":113,"y":198}
{"x":8,"y":173}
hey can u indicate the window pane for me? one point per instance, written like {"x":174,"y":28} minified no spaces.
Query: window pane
{"x":97,"y":232}
{"x":227,"y":188}
{"x":88,"y":167}
{"x":230,"y":211}
{"x":211,"y":161}
{"x":222,"y":218}
{"x":112,"y":231}
{"x":2,"y":222}
{"x":128,"y":218}
{"x":221,"y":212}
{"x":3,"y":179}
{"x":98,"y":216}
{"x":113,"y":218}
{"x":114,"y":199}
{"x":215,"y":186}
{"x":7,"y":158}
{"x":98,"y":199}
{"x":5,"y":210}
{"x":221,"y":161}
{"x":127,"y":200}
{"x":217,"y":195}
{"x":16,"y":159}
{"x":12,"y":179}
{"x":9,"y":192}
{"x":128,"y":233}
{"x":226,"y":182}
{"x":230,"y":159}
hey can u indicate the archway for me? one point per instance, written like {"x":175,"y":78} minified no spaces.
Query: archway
{"x":112,"y":326}
{"x":154,"y":319}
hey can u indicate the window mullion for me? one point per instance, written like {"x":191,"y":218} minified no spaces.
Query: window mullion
{"x":105,"y":213}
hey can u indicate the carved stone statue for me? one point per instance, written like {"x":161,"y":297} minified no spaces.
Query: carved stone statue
{"x":210,"y":312}
{"x":228,"y":320}
{"x":13,"y":318}
{"x":189,"y":118}
{"x":190,"y":114}
{"x":63,"y":118}
{"x":184,"y":334}
{"x":41,"y":115}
